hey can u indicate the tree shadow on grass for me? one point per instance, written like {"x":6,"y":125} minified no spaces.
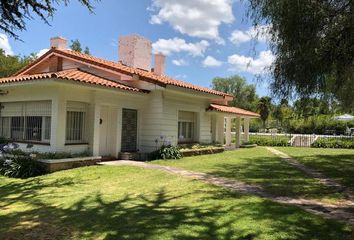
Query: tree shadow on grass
{"x":339,"y":167}
{"x":275,"y":176}
{"x":217,"y":214}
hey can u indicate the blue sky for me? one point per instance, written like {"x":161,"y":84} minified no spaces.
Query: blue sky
{"x":202,"y":38}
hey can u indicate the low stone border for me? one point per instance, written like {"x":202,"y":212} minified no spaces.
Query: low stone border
{"x":202,"y":151}
{"x":54,"y":165}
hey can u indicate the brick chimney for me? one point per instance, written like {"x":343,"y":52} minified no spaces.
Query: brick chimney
{"x":58,"y":43}
{"x":135,"y":51}
{"x":159,"y":67}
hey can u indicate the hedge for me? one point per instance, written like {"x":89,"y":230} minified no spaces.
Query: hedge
{"x":334,"y":143}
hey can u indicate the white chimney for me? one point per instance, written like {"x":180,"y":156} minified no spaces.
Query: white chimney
{"x":135,"y":51}
{"x":58,"y":43}
{"x":159,"y":68}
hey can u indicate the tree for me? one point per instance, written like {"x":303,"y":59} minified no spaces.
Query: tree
{"x":76,"y":46}
{"x":15,"y":13}
{"x":11,"y":64}
{"x":283,"y":112}
{"x":313,"y":45}
{"x":264,"y":108}
{"x":245,"y":94}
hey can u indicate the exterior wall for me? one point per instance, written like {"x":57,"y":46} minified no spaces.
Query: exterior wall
{"x":157,"y":115}
{"x":160,"y":118}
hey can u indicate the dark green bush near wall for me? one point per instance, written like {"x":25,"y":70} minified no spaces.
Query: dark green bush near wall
{"x":334,"y":143}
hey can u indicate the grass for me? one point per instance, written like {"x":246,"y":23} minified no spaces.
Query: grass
{"x":337,"y":164}
{"x":133,"y":203}
{"x":258,"y":166}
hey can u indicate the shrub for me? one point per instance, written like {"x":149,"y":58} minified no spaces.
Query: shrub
{"x":18,"y":164}
{"x":269,"y":141}
{"x":21,"y":167}
{"x":167,"y":152}
{"x":318,"y":125}
{"x":334,"y":143}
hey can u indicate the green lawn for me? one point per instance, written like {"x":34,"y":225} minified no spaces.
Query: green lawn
{"x":259,"y":166}
{"x":103,"y":202}
{"x":337,"y":164}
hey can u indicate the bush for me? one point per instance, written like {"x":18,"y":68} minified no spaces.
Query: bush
{"x":18,"y":164}
{"x":58,"y":155}
{"x":21,"y":167}
{"x":334,"y":143}
{"x":167,"y":152}
{"x":318,"y":125}
{"x":269,"y":141}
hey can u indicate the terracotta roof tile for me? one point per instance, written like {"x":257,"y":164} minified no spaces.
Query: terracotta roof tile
{"x":144,"y":75}
{"x":233,"y":110}
{"x":74,"y":75}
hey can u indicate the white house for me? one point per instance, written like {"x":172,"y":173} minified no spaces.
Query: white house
{"x":66,"y":101}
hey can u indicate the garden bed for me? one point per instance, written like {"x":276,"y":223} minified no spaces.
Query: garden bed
{"x":200,"y":149}
{"x":54,"y":165}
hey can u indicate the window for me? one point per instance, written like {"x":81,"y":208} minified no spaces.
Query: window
{"x":26,"y":121}
{"x":76,"y":122}
{"x":186,"y":126}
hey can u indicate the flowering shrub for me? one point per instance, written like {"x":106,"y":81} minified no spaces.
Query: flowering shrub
{"x":18,"y":164}
{"x":166,"y":149}
{"x":169,"y":152}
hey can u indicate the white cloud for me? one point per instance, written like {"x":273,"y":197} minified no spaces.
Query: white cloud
{"x":251,"y":65}
{"x":176,"y":45}
{"x":179,"y":62}
{"x":41,"y":52}
{"x":259,"y":33}
{"x":181,"y":76}
{"x":210,"y":61}
{"x":5,"y":45}
{"x":196,"y":18}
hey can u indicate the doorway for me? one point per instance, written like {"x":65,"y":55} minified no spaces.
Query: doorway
{"x":129,"y":130}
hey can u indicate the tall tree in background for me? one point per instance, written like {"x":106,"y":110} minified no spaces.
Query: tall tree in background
{"x":264,"y":108}
{"x":11,"y":64}
{"x":76,"y":46}
{"x":15,"y":13}
{"x":245,"y":94}
{"x":313,"y":44}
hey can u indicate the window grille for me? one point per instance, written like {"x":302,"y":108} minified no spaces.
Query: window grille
{"x":26,"y":121}
{"x":76,"y":122}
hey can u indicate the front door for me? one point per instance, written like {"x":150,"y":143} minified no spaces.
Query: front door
{"x":129,"y":130}
{"x":105,"y":133}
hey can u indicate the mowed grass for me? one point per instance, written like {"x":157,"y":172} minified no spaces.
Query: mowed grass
{"x":111,"y":202}
{"x":259,"y":166}
{"x":337,"y":164}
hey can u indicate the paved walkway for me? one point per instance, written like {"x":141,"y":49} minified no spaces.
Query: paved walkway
{"x":339,"y":212}
{"x":313,"y":173}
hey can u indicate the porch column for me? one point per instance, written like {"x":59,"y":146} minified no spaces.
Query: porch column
{"x":246,"y":126}
{"x":228,"y":131}
{"x":96,"y":115}
{"x":58,"y":123}
{"x":238,"y":132}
